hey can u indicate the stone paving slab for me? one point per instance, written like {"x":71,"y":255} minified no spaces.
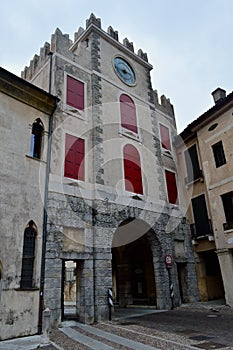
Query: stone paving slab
{"x":25,"y":343}
{"x":81,"y":338}
{"x":115,"y":338}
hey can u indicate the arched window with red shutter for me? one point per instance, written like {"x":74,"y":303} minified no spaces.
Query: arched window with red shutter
{"x":132,"y":170}
{"x":128,"y":113}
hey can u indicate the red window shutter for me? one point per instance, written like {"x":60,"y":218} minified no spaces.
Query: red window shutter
{"x":171,"y":187}
{"x":75,"y":93}
{"x":128,"y":113}
{"x":132,"y":168}
{"x":74,"y":157}
{"x":165,"y":137}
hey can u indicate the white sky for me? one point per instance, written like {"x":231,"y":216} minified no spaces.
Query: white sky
{"x":189,"y":43}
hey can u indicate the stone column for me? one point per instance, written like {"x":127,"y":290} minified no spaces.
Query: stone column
{"x":103,"y":281}
{"x":85,"y":292}
{"x":225,"y":258}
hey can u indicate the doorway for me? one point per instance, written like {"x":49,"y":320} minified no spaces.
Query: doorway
{"x":69,"y":290}
{"x":133,"y":273}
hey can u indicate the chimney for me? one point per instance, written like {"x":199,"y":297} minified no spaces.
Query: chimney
{"x":218,"y":95}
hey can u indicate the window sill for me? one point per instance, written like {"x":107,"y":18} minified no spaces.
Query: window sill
{"x":188,"y":183}
{"x":33,"y":289}
{"x":167,"y":153}
{"x":78,"y":113}
{"x":174,"y":206}
{"x":228,"y":231}
{"x":36,"y":159}
{"x":130,"y":135}
{"x":72,"y":182}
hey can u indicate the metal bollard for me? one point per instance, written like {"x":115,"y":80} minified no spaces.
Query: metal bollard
{"x":46,"y":324}
{"x":110,"y":303}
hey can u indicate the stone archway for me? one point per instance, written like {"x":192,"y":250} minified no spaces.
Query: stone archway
{"x":133,"y":264}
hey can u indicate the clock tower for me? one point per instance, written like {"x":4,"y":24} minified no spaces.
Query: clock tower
{"x":114,"y":210}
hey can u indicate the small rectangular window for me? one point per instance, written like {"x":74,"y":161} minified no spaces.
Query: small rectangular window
{"x":75,"y":93}
{"x":165,"y":137}
{"x":171,"y":187}
{"x":219,"y":155}
{"x":74,"y":157}
{"x":227,"y":200}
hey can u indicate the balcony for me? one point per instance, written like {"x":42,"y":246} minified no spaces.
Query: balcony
{"x":228,"y":226}
{"x":201,"y":230}
{"x":194,"y":178}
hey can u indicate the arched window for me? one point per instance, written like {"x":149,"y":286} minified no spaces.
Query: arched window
{"x":132,"y":169}
{"x":128,"y":113}
{"x":0,"y":281}
{"x":36,"y":139}
{"x":28,"y":256}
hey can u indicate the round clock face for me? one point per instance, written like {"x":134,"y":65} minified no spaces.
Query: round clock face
{"x":124,"y":71}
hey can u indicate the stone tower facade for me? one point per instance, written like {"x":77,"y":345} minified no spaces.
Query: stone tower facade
{"x":121,"y":213}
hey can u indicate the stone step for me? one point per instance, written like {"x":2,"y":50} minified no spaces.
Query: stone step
{"x":97,"y":345}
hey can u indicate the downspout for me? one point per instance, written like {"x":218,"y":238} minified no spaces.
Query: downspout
{"x":45,"y":215}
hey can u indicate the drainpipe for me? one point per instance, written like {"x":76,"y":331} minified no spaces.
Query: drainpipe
{"x":45,"y":215}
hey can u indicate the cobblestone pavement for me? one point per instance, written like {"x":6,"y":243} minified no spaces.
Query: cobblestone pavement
{"x":186,"y":328}
{"x":193,"y":327}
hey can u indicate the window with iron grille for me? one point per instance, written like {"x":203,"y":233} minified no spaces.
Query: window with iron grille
{"x":219,"y":155}
{"x":28,"y":257}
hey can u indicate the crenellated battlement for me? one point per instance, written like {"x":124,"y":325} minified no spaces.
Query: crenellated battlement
{"x":114,"y":34}
{"x":36,"y":62}
{"x":61,"y":43}
{"x":165,"y":105}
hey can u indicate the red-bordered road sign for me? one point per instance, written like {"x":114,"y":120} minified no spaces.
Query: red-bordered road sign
{"x":168,"y":260}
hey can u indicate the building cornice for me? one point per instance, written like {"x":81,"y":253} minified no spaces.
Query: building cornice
{"x":25,"y":92}
{"x":190,"y":132}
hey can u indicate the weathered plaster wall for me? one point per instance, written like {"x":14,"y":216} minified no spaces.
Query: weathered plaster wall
{"x":21,"y":200}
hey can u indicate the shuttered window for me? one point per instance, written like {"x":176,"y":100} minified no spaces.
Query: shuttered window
{"x":192,"y":164}
{"x":132,"y":169}
{"x":219,"y":154}
{"x":74,"y":157}
{"x":200,"y":215}
{"x":171,"y":187}
{"x":128,"y":113}
{"x":165,"y":137}
{"x":227,"y":200}
{"x":75,"y":93}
